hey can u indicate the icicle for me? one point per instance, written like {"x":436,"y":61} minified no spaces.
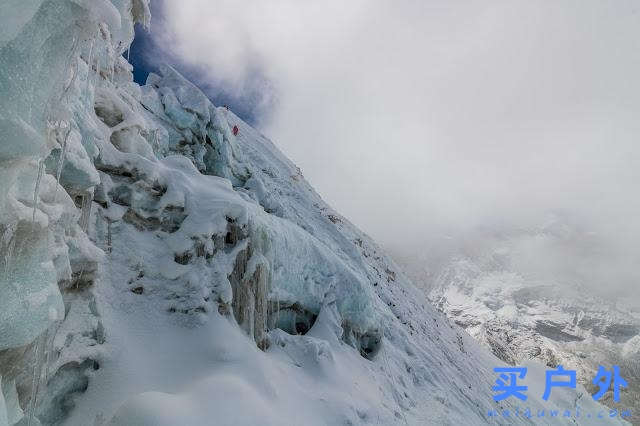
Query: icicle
{"x":109,"y":247}
{"x":252,"y":313}
{"x":112,"y":70}
{"x":72,"y":54}
{"x":36,"y":192}
{"x":98,"y":71}
{"x":9,"y":257}
{"x":11,"y":243}
{"x":111,"y":66}
{"x":90,"y":58}
{"x":35,"y":380}
{"x":40,"y":373}
{"x":89,"y":65}
{"x":262,"y":300}
{"x":129,"y":54}
{"x":87,"y":200}
{"x":71,"y":82}
{"x":63,"y":153}
{"x":49,"y":349}
{"x":101,"y":229}
{"x":79,"y":279}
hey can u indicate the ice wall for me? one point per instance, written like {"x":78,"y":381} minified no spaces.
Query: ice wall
{"x":52,"y":55}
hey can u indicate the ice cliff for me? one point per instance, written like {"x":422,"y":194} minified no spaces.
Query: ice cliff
{"x":156,"y":269}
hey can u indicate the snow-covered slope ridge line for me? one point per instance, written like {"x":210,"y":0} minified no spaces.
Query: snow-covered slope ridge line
{"x":157,"y":269}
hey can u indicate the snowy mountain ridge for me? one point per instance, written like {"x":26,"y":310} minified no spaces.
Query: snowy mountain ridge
{"x":158,"y":269}
{"x":521,"y":319}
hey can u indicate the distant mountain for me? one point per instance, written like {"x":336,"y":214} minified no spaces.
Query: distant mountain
{"x":519,"y":320}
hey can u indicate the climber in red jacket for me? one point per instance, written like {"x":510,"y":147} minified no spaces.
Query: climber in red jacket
{"x":235,"y":130}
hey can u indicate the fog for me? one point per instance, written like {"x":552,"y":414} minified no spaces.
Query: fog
{"x":445,"y":126}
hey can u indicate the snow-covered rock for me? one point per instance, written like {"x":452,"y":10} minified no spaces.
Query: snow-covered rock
{"x":158,"y":269}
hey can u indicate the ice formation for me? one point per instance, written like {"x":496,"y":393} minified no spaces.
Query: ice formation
{"x":158,"y":269}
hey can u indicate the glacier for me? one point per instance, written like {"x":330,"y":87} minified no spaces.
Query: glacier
{"x":157,"y":269}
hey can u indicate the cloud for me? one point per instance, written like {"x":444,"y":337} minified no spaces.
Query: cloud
{"x":421,"y":120}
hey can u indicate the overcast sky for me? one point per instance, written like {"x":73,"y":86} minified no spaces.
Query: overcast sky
{"x":422,"y":121}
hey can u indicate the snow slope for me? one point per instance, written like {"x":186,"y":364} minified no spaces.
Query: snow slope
{"x":159,"y":270}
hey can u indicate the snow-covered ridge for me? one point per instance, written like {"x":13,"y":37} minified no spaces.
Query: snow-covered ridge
{"x":156,"y":269}
{"x":520,"y":319}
